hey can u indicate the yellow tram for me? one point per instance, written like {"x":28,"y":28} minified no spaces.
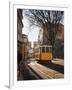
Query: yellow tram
{"x":43,"y":53}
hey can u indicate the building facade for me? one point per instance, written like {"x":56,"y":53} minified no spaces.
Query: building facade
{"x":36,"y":43}
{"x":19,"y":35}
{"x":23,"y":44}
{"x":22,"y":47}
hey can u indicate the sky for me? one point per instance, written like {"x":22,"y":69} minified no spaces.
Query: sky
{"x":32,"y":32}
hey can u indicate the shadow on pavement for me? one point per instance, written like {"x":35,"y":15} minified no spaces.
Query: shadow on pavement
{"x":54,"y":66}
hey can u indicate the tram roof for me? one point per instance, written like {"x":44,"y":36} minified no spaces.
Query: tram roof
{"x":46,"y":46}
{"x":43,"y":46}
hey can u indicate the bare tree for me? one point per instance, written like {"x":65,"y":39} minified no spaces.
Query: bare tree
{"x":47,"y":20}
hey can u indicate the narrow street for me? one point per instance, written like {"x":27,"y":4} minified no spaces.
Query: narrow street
{"x":36,"y":71}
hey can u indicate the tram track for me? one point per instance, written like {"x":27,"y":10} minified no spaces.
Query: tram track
{"x":44,"y":72}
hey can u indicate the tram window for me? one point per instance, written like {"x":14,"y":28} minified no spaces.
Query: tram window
{"x":47,"y":49}
{"x":51,"y":49}
{"x":43,"y":49}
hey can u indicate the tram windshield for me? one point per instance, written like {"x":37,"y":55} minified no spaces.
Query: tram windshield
{"x":48,"y":49}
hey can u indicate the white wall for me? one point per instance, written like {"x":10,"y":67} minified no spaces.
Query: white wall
{"x":4,"y":43}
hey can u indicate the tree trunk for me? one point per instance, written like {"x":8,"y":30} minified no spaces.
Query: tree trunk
{"x":46,"y":35}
